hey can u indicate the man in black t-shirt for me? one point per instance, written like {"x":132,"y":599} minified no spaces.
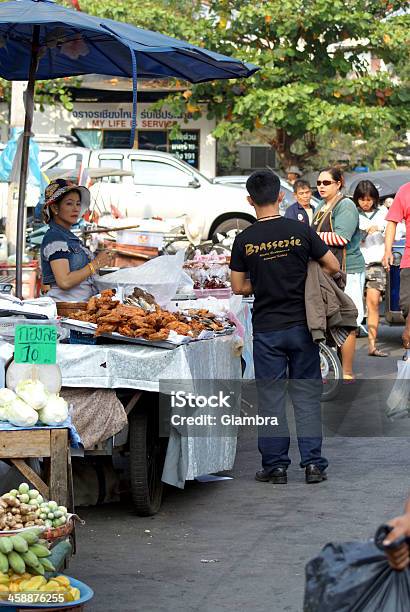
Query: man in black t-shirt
{"x":270,"y":259}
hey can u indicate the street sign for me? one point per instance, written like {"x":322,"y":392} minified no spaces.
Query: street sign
{"x":35,"y":344}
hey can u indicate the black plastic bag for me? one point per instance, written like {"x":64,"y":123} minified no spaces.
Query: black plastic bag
{"x":356,"y":577}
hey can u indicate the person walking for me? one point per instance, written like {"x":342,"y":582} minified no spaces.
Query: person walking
{"x":337,"y":222}
{"x":372,"y":223}
{"x":398,"y":212}
{"x":302,"y":209}
{"x":274,"y":252}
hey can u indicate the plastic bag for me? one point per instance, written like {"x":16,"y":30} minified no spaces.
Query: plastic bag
{"x":398,"y":400}
{"x":160,"y":276}
{"x":355,"y":577}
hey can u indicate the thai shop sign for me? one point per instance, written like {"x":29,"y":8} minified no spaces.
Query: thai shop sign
{"x":119,"y":117}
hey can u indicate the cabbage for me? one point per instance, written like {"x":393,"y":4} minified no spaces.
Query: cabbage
{"x":33,"y":393}
{"x":21,"y":414}
{"x":55,"y":412}
{"x":6,"y":396}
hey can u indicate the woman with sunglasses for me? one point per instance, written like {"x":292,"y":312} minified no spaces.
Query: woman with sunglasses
{"x":337,"y":222}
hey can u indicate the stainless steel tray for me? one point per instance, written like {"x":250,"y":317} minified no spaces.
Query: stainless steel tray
{"x":84,"y":327}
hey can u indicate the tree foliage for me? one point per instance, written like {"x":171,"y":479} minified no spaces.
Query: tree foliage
{"x":314,"y":57}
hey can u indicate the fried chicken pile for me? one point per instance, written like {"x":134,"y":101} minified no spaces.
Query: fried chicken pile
{"x":112,"y":316}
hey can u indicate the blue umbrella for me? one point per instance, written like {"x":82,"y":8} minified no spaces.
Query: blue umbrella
{"x":42,"y":40}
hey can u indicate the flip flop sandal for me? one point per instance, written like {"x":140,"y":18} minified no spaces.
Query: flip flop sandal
{"x":378,"y":353}
{"x":348,"y":379}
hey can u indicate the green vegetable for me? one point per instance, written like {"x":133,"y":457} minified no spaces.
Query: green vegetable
{"x":53,"y":505}
{"x":40,"y":499}
{"x":14,"y":492}
{"x":6,"y":545}
{"x":48,"y":523}
{"x":30,"y":558}
{"x":38,"y":569}
{"x":16,"y":562}
{"x":58,"y":514}
{"x":39,"y":550}
{"x":19,"y":544}
{"x":30,"y":536}
{"x":24,"y":488}
{"x":33,"y":494}
{"x":62,"y":509}
{"x":4,"y":563}
{"x":43,"y":516}
{"x":50,"y":515}
{"x":48,"y":566}
{"x":24,"y":498}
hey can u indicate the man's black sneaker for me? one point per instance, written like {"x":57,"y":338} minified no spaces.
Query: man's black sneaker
{"x":314,"y":474}
{"x":276,"y":476}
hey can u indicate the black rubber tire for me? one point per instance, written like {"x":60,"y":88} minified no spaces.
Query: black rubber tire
{"x":146,"y":460}
{"x":230,"y":224}
{"x":332,"y":386}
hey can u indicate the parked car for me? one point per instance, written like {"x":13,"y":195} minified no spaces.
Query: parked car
{"x":161,"y":185}
{"x":239,"y":180}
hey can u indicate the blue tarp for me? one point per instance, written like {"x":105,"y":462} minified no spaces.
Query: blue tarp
{"x":35,"y":177}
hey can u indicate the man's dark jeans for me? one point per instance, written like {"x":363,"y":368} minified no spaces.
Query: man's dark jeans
{"x":279,"y":355}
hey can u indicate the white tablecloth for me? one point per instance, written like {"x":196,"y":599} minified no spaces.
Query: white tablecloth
{"x":138,"y":367}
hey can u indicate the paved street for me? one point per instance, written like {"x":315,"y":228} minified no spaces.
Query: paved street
{"x":256,"y":537}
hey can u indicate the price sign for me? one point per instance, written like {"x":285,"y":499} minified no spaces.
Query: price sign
{"x":35,"y":344}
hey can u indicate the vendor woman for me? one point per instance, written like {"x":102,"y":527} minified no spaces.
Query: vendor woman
{"x":67,"y":266}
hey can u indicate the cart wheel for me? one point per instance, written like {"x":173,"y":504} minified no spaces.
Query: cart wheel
{"x":332,"y":372}
{"x":146,"y":461}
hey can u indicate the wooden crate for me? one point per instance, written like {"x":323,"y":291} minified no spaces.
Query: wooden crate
{"x":51,"y":444}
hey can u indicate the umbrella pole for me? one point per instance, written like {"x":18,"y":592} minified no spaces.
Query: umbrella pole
{"x":28,"y":121}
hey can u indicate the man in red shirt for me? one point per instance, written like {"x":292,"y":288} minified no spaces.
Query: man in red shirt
{"x":400,"y":211}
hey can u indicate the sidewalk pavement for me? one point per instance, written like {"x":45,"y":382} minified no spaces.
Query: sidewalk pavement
{"x":239,"y":544}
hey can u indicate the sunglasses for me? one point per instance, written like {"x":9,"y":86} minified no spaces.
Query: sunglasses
{"x":325,"y":183}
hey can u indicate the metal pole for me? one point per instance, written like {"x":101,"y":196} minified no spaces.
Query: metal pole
{"x":20,"y":242}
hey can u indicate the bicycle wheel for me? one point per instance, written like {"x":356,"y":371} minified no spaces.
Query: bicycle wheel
{"x":331,"y":369}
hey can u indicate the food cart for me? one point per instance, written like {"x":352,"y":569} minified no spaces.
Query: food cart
{"x":114,"y":388}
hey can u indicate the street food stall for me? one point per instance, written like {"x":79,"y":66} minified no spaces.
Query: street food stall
{"x":111,"y":374}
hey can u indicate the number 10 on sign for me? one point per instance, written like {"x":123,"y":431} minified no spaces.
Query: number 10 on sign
{"x":35,"y":344}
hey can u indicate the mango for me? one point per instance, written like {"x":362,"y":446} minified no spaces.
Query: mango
{"x":16,"y":562}
{"x":6,"y":545}
{"x":19,"y":544}
{"x":4,"y":579}
{"x":4,"y":563}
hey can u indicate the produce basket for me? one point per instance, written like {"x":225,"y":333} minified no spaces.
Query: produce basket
{"x":50,"y":533}
{"x":65,"y":309}
{"x":55,"y":533}
{"x":86,"y":594}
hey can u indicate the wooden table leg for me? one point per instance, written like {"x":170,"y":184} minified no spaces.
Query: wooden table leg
{"x":30,"y":475}
{"x":58,"y":466}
